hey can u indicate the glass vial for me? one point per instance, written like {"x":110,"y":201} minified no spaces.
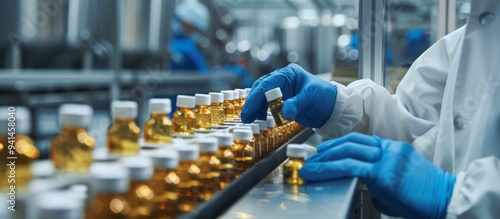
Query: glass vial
{"x":236,"y":104}
{"x":226,"y":158}
{"x":209,"y":164}
{"x":216,"y":108}
{"x":188,"y":172}
{"x":243,"y":97}
{"x":243,"y":152}
{"x":184,"y":118}
{"x":71,"y":150}
{"x":58,"y":204}
{"x":165,"y":184}
{"x":203,"y":112}
{"x":271,"y":138}
{"x":140,"y":194}
{"x":228,"y":106}
{"x":123,"y":134}
{"x":254,"y":142}
{"x":158,"y":128}
{"x":25,"y":150}
{"x":263,"y":138}
{"x":296,"y":153}
{"x":274,"y":97}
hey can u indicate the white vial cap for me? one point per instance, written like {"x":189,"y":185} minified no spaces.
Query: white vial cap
{"x":254,"y":126}
{"x":22,"y":118}
{"x":236,"y":94}
{"x":202,"y":99}
{"x":140,"y":168}
{"x":166,"y":159}
{"x":209,"y":144}
{"x":269,"y":113}
{"x":242,"y":92}
{"x":228,"y":94}
{"x":262,"y":124}
{"x":124,"y":109}
{"x":75,"y":115}
{"x":270,"y":122}
{"x":111,"y":178}
{"x":58,"y":204}
{"x":296,"y":150}
{"x":188,"y":152}
{"x":184,"y":101}
{"x":217,"y":97}
{"x":160,"y":105}
{"x":242,"y":134}
{"x":225,"y":139}
{"x":273,"y":94}
{"x":248,"y":90}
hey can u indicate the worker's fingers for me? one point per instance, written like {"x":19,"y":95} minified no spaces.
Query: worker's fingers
{"x":382,"y":208}
{"x":296,"y":105}
{"x":348,"y":150}
{"x":319,"y":171}
{"x":351,"y":137}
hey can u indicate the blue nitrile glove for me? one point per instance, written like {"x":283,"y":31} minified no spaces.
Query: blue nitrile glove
{"x":309,"y":100}
{"x":402,"y":181}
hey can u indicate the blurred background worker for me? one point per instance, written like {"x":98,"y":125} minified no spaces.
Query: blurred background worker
{"x":191,"y":18}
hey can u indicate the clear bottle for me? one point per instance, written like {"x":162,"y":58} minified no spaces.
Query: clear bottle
{"x":165,"y":184}
{"x":271,"y":138}
{"x":110,"y":183}
{"x":229,"y":113}
{"x":226,"y":158}
{"x":188,"y":172}
{"x":203,"y":112}
{"x":209,"y":164}
{"x":184,"y":119}
{"x":296,"y":153}
{"x":123,"y":134}
{"x":236,"y":104}
{"x":243,"y":152}
{"x":255,"y":142}
{"x":140,"y":194}
{"x":274,"y":97}
{"x":263,"y":138}
{"x":24,"y":147}
{"x":216,"y":108}
{"x":158,"y":128}
{"x":71,"y":150}
{"x":58,"y":204}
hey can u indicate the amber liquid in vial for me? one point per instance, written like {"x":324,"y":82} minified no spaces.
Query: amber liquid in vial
{"x":237,"y":108}
{"x":271,"y":140}
{"x":71,"y":150}
{"x":165,"y":189}
{"x":291,"y":171}
{"x":158,"y":129}
{"x":244,"y":155}
{"x":123,"y":137}
{"x":217,"y":113}
{"x":203,"y":117}
{"x":139,"y":197}
{"x":209,"y":176}
{"x":275,"y":107}
{"x":228,"y":110}
{"x":263,"y":138}
{"x":189,"y":190}
{"x":106,"y":205}
{"x":257,"y":147}
{"x":226,"y":158}
{"x":26,"y":153}
{"x":183,"y":121}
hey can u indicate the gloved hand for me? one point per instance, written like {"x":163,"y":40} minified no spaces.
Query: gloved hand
{"x":309,"y":100}
{"x":402,"y":181}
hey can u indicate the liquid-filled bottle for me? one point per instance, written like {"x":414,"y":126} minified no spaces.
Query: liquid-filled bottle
{"x":216,"y":108}
{"x":243,"y":97}
{"x":243,"y":152}
{"x":274,"y":97}
{"x":263,"y":137}
{"x":203,"y":112}
{"x":226,"y":158}
{"x":165,"y":184}
{"x":236,"y":104}
{"x":188,"y":172}
{"x":16,"y":145}
{"x":57,"y":204}
{"x":158,"y":128}
{"x":209,"y":164}
{"x":296,"y":153}
{"x":140,"y":194}
{"x":229,"y":113}
{"x":271,"y":138}
{"x":184,"y":119}
{"x":254,"y":142}
{"x":71,"y":150}
{"x":123,"y":134}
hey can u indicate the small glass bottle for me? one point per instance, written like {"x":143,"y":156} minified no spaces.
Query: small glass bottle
{"x":184,"y":119}
{"x":71,"y":150}
{"x":226,"y":158}
{"x":271,"y":138}
{"x":236,"y":104}
{"x":203,"y":112}
{"x":216,"y":108}
{"x":140,"y":193}
{"x":296,"y":153}
{"x":158,"y":128}
{"x":165,"y":184}
{"x":110,"y":183}
{"x":263,"y":137}
{"x":255,"y":142}
{"x":229,"y":113}
{"x":123,"y":134}
{"x":243,"y":96}
{"x":243,"y":152}
{"x":209,"y":164}
{"x":58,"y":204}
{"x":188,"y":172}
{"x":14,"y":138}
{"x":274,"y":97}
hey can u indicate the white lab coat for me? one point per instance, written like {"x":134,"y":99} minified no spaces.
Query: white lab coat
{"x":447,"y":106}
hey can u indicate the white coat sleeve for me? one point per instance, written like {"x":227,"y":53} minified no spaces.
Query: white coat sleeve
{"x":366,"y":107}
{"x":476,"y":193}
